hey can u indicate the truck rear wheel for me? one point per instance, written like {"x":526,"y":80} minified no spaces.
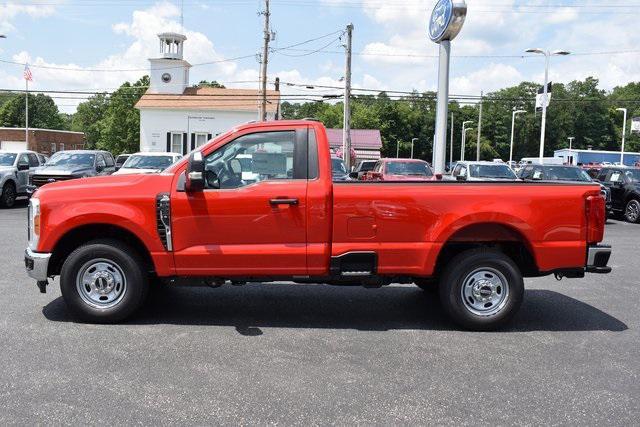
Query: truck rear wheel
{"x":481,"y":289}
{"x":103,"y":281}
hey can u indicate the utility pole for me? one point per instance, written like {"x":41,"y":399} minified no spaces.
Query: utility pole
{"x":398,"y":149}
{"x":346,"y":131}
{"x":571,"y":138}
{"x":277,"y":88}
{"x":265,"y":60}
{"x":479,"y":127}
{"x":624,"y":131}
{"x":451,"y":144}
{"x":413,"y":141}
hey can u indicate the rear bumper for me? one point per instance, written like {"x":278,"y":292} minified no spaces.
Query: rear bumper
{"x":598,"y":258}
{"x":37,"y":264}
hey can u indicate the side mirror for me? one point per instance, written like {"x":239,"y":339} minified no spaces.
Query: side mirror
{"x":353,"y":175}
{"x":195,"y":173}
{"x":23,"y":166}
{"x":99,"y":168}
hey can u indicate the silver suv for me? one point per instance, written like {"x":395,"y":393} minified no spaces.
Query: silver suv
{"x":15,"y":169}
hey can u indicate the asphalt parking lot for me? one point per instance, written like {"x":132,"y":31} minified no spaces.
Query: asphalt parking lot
{"x":315,"y":354}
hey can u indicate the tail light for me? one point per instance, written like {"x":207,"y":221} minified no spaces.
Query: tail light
{"x":596,"y":217}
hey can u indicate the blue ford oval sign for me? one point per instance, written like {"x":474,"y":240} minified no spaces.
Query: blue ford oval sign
{"x":446,"y":19}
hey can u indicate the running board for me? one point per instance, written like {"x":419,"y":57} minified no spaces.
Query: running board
{"x":354,"y":264}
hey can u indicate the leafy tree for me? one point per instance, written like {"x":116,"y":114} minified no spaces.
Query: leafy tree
{"x":212,"y":83}
{"x":88,"y":117}
{"x":43,"y":112}
{"x":119,"y":129}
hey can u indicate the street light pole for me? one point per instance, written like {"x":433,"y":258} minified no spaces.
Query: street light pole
{"x":513,"y":123}
{"x":413,"y":140}
{"x":624,"y":131}
{"x":451,"y":147}
{"x":464,"y":133}
{"x":398,"y":149}
{"x":547,"y":54}
{"x":571,"y":138}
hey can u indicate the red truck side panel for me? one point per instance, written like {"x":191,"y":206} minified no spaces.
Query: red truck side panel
{"x":407,"y":224}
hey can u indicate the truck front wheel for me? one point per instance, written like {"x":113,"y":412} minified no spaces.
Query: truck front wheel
{"x":481,"y":289}
{"x":8,"y":195}
{"x":103,"y":281}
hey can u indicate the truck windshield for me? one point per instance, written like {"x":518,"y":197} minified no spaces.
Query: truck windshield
{"x":7,"y":159}
{"x":366,"y":166}
{"x":409,"y":168}
{"x":563,"y":173}
{"x":71,"y":159}
{"x":148,"y":162}
{"x":491,"y":171}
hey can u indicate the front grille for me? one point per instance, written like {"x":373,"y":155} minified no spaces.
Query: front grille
{"x":163,"y":220}
{"x":40,"y":180}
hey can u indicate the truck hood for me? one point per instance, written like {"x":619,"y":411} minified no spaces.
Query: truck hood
{"x":57,"y":170}
{"x":4,"y":170}
{"x":112,"y":187}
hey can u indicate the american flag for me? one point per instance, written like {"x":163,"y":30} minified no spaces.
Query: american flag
{"x":27,"y":73}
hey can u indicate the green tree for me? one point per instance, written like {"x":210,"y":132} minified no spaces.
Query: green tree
{"x":212,"y":83}
{"x":88,"y":118}
{"x":43,"y":112}
{"x":120,"y":127}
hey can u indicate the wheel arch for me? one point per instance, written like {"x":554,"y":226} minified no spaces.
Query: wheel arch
{"x":490,"y":234}
{"x":82,"y":234}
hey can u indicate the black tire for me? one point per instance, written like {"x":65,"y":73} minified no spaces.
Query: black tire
{"x":129,"y":265}
{"x":497,"y":268}
{"x":429,"y":285}
{"x":8,"y":196}
{"x":632,"y":211}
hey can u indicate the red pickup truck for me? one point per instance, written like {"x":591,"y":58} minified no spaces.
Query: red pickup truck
{"x":258,"y":204}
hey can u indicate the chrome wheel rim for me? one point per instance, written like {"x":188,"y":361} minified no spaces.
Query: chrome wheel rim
{"x":633,"y":211}
{"x":485,"y":291}
{"x":101,"y":283}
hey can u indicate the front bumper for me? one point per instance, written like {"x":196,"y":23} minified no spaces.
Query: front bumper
{"x":598,"y":258}
{"x":37,"y":264}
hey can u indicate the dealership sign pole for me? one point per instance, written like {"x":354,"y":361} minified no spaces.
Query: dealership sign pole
{"x":446,"y":22}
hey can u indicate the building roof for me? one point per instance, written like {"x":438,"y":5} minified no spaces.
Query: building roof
{"x":43,"y":130}
{"x":209,"y":98}
{"x":573,"y":150}
{"x":364,"y":139}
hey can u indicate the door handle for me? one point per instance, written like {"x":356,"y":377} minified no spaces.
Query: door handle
{"x":276,"y":202}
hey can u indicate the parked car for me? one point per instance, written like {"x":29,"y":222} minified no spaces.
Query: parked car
{"x":15,"y":169}
{"x":400,"y":170}
{"x":563,"y":173}
{"x":120,"y":160}
{"x":110,"y":239}
{"x":139,"y":163}
{"x":66,"y":165}
{"x":338,"y":170}
{"x":624,"y":184}
{"x":363,"y":167}
{"x":483,"y":171}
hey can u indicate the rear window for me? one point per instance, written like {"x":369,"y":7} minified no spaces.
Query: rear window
{"x":560,"y":173}
{"x":491,"y":171}
{"x":409,"y":168}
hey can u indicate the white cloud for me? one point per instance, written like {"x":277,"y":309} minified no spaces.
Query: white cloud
{"x":11,"y":10}
{"x":563,"y":15}
{"x":489,"y":78}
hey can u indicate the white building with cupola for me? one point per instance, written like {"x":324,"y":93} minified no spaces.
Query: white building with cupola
{"x":178,"y":117}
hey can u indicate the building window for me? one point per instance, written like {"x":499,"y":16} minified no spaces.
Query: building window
{"x":176,"y":142}
{"x":61,"y":146}
{"x":53,"y":147}
{"x":201,"y":139}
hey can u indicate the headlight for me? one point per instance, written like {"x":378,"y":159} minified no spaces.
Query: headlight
{"x":34,"y":223}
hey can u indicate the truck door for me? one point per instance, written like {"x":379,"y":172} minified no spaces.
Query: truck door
{"x":23,"y":173}
{"x":250,"y":220}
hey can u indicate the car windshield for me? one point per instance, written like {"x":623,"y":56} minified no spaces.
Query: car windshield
{"x":71,"y":159}
{"x":633,"y":175}
{"x":563,"y":173}
{"x":7,"y":159}
{"x":337,"y":166}
{"x":491,"y":171}
{"x":148,"y":162}
{"x":408,"y":168}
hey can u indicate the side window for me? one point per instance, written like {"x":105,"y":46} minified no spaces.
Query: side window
{"x":378,"y":167}
{"x":602,"y":175}
{"x":538,"y":173}
{"x":615,"y":176}
{"x":456,"y":170}
{"x":463,"y":170}
{"x":100,"y":161}
{"x":23,"y":160}
{"x":109,"y":161}
{"x":42,"y":159}
{"x":33,"y":160}
{"x":252,"y":158}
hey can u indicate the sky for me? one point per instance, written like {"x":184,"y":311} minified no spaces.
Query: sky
{"x":95,"y":45}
